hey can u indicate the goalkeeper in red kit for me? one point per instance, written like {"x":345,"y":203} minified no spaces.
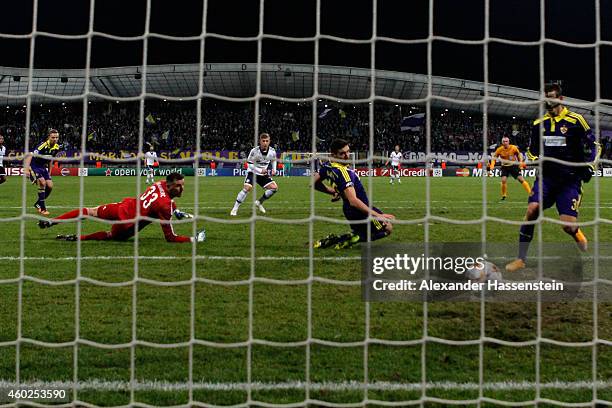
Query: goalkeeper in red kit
{"x":156,"y":202}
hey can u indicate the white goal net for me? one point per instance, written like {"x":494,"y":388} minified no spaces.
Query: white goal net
{"x":306,"y":363}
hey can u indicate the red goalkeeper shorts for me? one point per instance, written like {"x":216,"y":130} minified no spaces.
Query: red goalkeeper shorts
{"x":115,"y":212}
{"x":109,"y":211}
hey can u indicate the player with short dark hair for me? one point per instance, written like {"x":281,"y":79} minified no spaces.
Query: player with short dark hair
{"x":38,"y":168}
{"x":258,"y":162}
{"x":512,"y":162}
{"x":156,"y":202}
{"x":565,"y":135}
{"x":346,"y":185}
{"x":2,"y":154}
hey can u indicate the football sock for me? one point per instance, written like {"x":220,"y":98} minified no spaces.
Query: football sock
{"x":48,"y":191}
{"x":504,"y":189}
{"x":41,"y":197}
{"x":578,"y":235}
{"x":525,"y":237}
{"x":96,"y":236}
{"x":267,"y":194}
{"x":240,"y":198}
{"x":72,"y":214}
{"x":525,"y":185}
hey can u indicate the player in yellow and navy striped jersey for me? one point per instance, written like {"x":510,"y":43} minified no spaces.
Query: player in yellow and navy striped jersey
{"x":37,"y":166}
{"x":346,"y":185}
{"x":567,"y":137}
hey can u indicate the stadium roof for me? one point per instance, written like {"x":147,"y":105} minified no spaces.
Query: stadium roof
{"x":283,"y":81}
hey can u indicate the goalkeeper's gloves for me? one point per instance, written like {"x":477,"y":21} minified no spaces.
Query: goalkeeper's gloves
{"x":200,"y":236}
{"x":180,"y":214}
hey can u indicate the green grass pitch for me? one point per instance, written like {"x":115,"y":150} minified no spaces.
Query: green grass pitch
{"x":280,"y":311}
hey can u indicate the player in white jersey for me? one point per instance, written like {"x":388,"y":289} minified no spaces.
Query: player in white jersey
{"x":2,"y":154}
{"x":150,"y":161}
{"x":258,"y":162}
{"x":395,"y":159}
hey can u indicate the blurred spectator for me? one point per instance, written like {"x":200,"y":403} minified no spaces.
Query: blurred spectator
{"x":230,"y":126}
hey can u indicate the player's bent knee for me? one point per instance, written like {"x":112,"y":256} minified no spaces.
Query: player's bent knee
{"x":247,"y":187}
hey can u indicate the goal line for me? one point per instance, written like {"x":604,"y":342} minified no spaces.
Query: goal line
{"x":155,"y":385}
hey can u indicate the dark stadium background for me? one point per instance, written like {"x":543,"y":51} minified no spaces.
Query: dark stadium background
{"x":511,"y":65}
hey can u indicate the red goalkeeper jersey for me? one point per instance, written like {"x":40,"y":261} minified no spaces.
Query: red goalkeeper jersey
{"x":155,"y":202}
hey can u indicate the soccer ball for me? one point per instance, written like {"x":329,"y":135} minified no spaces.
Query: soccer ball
{"x":488,"y":272}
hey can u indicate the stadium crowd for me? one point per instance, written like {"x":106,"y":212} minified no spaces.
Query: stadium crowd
{"x":230,"y":126}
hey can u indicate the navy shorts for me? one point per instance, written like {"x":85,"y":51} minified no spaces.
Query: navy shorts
{"x":263,"y":180}
{"x":39,"y":172}
{"x":566,"y":194}
{"x":377,"y":228}
{"x":513,"y":171}
{"x":2,"y":171}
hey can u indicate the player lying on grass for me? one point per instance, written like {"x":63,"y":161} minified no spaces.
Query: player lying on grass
{"x":345,"y":184}
{"x":156,"y":202}
{"x":564,"y":135}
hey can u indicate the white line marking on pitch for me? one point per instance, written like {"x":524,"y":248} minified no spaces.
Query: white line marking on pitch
{"x":275,"y":205}
{"x":197,"y":257}
{"x":101,"y":385}
{"x":232,"y":258}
